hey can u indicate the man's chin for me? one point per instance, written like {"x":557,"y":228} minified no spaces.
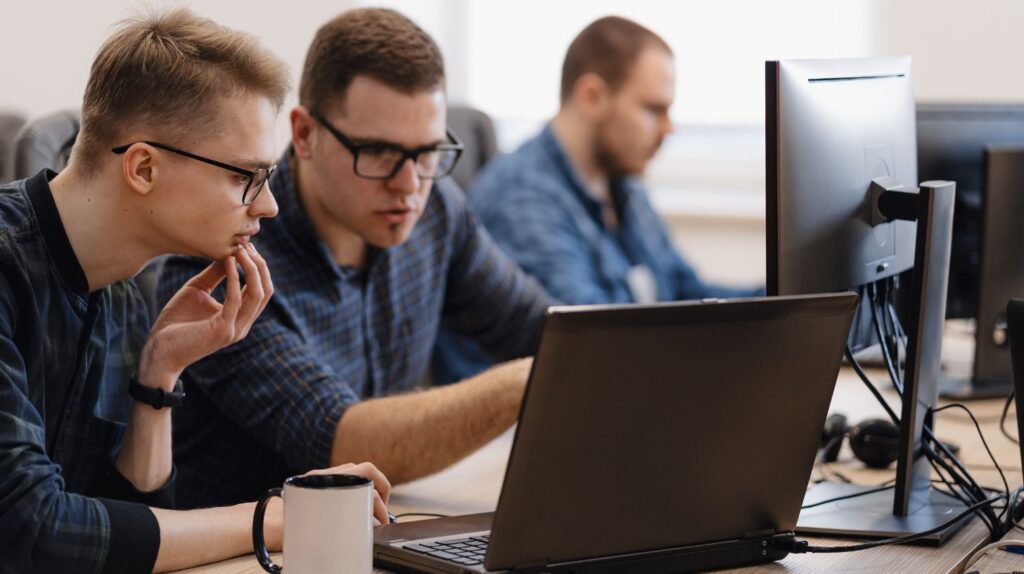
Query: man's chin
{"x":389,"y":238}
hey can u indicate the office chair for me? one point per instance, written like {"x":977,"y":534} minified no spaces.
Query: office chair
{"x":476,"y":130}
{"x":10,"y":123}
{"x":45,"y":143}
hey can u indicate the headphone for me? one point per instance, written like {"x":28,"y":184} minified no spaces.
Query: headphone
{"x":875,"y":442}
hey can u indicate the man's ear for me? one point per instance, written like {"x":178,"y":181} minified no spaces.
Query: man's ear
{"x":592,"y":96}
{"x":302,"y":131}
{"x":139,"y":168}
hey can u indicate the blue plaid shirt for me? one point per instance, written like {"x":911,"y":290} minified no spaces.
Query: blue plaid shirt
{"x":65,"y":360}
{"x":268,"y":407}
{"x":538,"y":211}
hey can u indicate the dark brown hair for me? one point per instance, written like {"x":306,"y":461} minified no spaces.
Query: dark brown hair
{"x":607,"y":47}
{"x":167,"y":72}
{"x":376,"y":42}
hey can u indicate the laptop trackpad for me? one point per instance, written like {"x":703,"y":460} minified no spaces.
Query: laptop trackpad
{"x":390,"y":533}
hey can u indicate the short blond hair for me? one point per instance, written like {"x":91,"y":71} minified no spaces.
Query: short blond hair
{"x":167,"y":72}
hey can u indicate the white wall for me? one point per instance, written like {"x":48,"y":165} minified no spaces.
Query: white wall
{"x":709,"y":179}
{"x":963,"y":50}
{"x":49,"y":45}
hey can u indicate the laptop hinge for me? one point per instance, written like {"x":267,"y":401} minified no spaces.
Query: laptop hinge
{"x":764,"y":533}
{"x":531,"y":566}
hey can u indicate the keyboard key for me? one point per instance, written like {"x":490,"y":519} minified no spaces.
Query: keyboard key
{"x":444,"y":555}
{"x":420,"y":548}
{"x":467,"y":561}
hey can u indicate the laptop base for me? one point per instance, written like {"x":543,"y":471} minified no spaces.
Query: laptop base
{"x":696,"y":558}
{"x":870,"y":515}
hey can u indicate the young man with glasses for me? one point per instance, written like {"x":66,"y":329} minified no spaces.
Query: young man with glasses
{"x":373,"y":247}
{"x":87,"y":386}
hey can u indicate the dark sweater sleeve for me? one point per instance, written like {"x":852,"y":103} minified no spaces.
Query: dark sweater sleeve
{"x":134,"y":538}
{"x":43,"y":527}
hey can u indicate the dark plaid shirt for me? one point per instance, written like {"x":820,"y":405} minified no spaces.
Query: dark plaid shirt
{"x":65,"y":360}
{"x":268,"y":406}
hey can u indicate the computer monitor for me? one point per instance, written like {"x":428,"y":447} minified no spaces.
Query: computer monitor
{"x":825,"y":146}
{"x":1001,"y":276}
{"x":951,"y":142}
{"x":841,"y":210}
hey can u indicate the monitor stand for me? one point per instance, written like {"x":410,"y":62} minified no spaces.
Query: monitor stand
{"x":911,"y":505}
{"x":957,"y":388}
{"x":871,"y":516}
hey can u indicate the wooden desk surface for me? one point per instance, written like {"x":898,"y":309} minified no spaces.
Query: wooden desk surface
{"x":473,"y":486}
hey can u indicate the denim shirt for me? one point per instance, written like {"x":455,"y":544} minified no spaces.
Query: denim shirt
{"x":65,"y":360}
{"x":268,"y":406}
{"x":536,"y":208}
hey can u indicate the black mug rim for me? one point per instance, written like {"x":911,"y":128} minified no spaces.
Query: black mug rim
{"x":327,"y":481}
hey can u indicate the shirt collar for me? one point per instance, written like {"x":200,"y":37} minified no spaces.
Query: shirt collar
{"x":295,"y":221}
{"x":623,"y":188}
{"x":54,"y":235}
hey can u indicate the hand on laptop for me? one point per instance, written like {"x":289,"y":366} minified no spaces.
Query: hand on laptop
{"x":193,"y":324}
{"x":381,"y":485}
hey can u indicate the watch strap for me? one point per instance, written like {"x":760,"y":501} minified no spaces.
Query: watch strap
{"x":156,"y":398}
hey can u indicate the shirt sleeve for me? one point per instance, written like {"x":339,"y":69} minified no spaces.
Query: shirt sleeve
{"x":687,"y":284}
{"x":43,"y":528}
{"x":488,"y":296}
{"x":269,"y":383}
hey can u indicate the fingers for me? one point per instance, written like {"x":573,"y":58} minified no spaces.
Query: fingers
{"x":268,"y":283}
{"x":381,"y":485}
{"x":232,"y":294}
{"x":207,"y":279}
{"x":252,"y":294}
{"x":380,"y":482}
{"x":380,"y":508}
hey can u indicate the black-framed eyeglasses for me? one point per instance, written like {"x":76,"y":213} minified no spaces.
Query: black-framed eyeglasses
{"x":255,"y":180}
{"x":383,"y":160}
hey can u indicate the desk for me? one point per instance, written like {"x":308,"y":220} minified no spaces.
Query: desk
{"x":473,"y":485}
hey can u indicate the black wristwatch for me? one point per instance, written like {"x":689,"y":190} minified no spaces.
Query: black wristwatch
{"x":156,"y":398}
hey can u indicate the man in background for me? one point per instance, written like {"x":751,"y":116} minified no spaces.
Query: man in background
{"x":569,"y":205}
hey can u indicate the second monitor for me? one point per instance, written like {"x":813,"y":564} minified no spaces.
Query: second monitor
{"x":842,"y":203}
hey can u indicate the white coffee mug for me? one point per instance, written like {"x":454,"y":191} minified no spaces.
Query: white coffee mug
{"x":327,"y":525}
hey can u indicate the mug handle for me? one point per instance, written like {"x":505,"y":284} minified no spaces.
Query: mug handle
{"x":258,"y":544}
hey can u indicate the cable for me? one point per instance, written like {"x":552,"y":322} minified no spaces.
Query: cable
{"x":989,"y":520}
{"x":427,"y":514}
{"x":871,"y":386}
{"x":1002,"y":419}
{"x":961,"y":476}
{"x":846,"y":497}
{"x":801,"y":546}
{"x":981,"y":435}
{"x":883,"y":341}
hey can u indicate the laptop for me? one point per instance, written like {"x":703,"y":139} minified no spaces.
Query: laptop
{"x":652,"y":438}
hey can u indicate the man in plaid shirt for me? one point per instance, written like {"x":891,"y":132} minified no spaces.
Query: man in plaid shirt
{"x":372,"y":249}
{"x":85,"y":471}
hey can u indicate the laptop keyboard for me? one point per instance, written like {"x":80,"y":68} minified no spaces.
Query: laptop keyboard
{"x":466,"y":551}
